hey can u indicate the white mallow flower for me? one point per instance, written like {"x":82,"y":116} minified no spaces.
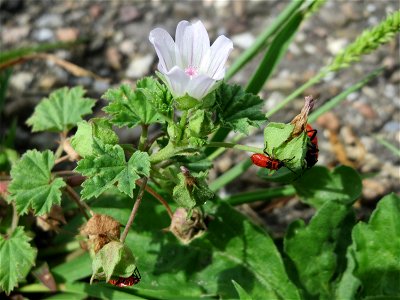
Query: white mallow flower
{"x":189,"y":65}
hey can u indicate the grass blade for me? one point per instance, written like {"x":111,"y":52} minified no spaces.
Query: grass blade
{"x":394,"y":149}
{"x":274,"y":54}
{"x":342,"y":96}
{"x":15,"y":54}
{"x":264,"y":195}
{"x":368,"y":41}
{"x":260,"y":43}
{"x":230,"y":175}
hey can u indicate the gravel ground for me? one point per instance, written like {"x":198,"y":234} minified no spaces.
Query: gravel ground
{"x":118,"y":50}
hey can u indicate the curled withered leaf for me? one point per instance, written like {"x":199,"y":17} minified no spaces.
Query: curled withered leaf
{"x":102,"y":225}
{"x":187,"y":228}
{"x":101,"y":229}
{"x":300,"y":121}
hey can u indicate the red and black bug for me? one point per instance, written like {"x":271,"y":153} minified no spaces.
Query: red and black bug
{"x":129,"y":281}
{"x":312,"y":150}
{"x":264,"y":161}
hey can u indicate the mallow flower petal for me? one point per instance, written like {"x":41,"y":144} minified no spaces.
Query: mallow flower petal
{"x":201,"y":44}
{"x":199,"y":86}
{"x":177,"y":81}
{"x":165,"y":48}
{"x":220,"y":51}
{"x":193,"y":43}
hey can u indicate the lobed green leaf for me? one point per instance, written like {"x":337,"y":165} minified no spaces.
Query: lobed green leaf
{"x":130,"y":108}
{"x":32,"y":185}
{"x":237,"y":109}
{"x":107,"y":166}
{"x":61,"y":111}
{"x":98,"y":128}
{"x":17,"y":257}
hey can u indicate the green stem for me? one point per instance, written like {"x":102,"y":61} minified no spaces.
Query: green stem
{"x":15,"y":217}
{"x":317,"y":78}
{"x":81,"y":205}
{"x":261,"y":195}
{"x":182,"y":124}
{"x":143,"y":137}
{"x":134,"y":211}
{"x":230,"y":175}
{"x":235,"y":146}
{"x":60,"y":148}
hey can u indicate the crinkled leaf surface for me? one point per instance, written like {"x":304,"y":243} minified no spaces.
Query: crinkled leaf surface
{"x":157,"y":94}
{"x":237,"y":109}
{"x":189,"y":196}
{"x":200,"y":123}
{"x":113,"y":260}
{"x":98,"y":128}
{"x":61,"y":111}
{"x":376,"y":250}
{"x":275,"y":134}
{"x":108,"y":166}
{"x":17,"y":257}
{"x":280,"y":145}
{"x":312,"y":249}
{"x":32,"y":185}
{"x":128,"y":107}
{"x":232,"y":249}
{"x":319,"y":185}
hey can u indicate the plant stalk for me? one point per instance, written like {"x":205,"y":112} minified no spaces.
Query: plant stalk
{"x":134,"y":211}
{"x":15,"y":217}
{"x":143,"y":137}
{"x":235,"y":146}
{"x":82,"y":205}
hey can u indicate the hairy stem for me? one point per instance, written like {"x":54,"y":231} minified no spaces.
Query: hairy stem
{"x":159,"y":198}
{"x":82,"y":205}
{"x":235,"y":146}
{"x":61,"y":159}
{"x":60,"y":148}
{"x":143,"y":137}
{"x":134,"y":211}
{"x":151,"y":141}
{"x":15,"y":217}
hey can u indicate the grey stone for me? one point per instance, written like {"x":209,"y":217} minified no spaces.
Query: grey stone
{"x":140,"y":66}
{"x":49,"y":20}
{"x":21,"y":81}
{"x":43,"y":35}
{"x":243,"y":40}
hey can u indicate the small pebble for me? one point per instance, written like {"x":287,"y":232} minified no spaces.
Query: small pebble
{"x":43,"y":35}
{"x":140,"y":66}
